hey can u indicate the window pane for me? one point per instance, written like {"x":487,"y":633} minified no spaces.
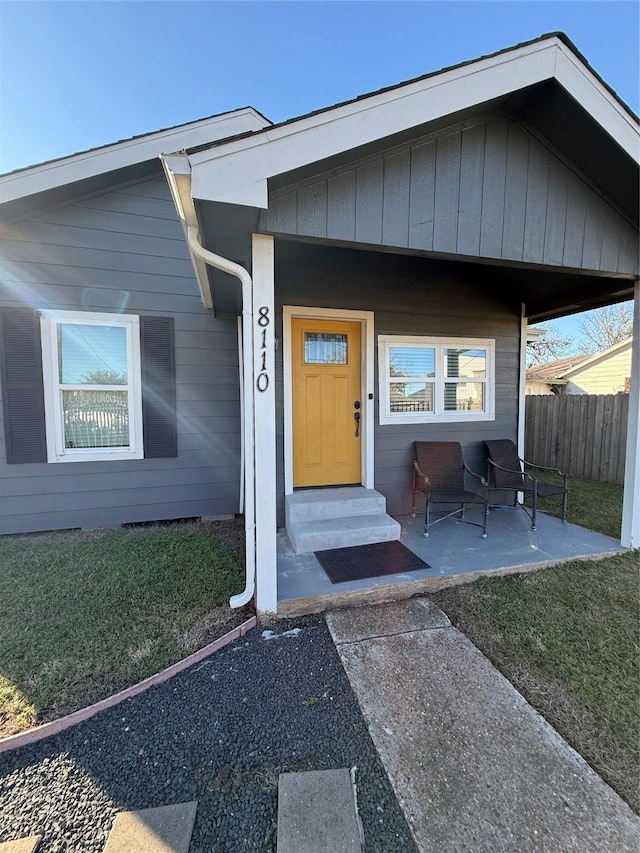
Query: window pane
{"x":412,"y":361}
{"x":464,"y":396}
{"x":320,"y":348}
{"x":95,"y":418}
{"x":411,"y":397}
{"x":465,"y":363}
{"x":92,"y":355}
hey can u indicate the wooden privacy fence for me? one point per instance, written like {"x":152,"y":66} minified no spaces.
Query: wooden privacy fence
{"x":582,"y":434}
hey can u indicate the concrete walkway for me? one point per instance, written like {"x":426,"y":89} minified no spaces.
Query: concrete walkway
{"x":474,"y":766}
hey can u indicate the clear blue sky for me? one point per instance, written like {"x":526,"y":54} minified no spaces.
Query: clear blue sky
{"x":79,"y":74}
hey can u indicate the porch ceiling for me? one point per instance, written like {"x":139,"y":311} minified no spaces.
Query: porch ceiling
{"x":547,"y":292}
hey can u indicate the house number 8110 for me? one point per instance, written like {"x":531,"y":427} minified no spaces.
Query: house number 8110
{"x":262,"y":381}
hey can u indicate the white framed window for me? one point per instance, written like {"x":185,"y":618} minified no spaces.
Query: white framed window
{"x":92,"y":386}
{"x":436,"y":380}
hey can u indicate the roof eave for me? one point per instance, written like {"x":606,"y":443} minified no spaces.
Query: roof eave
{"x":597,"y":357}
{"x":237,"y":171}
{"x":85,"y":165}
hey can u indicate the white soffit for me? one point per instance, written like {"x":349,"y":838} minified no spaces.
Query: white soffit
{"x":237,"y":172}
{"x":129,"y":152}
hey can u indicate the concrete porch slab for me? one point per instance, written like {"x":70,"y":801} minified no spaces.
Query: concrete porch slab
{"x":455,"y":552}
{"x":473,"y":765}
{"x":166,"y":829}
{"x":317,"y":813}
{"x":22,"y":845}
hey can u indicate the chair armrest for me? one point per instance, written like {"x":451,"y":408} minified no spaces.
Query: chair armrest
{"x":510,"y":471}
{"x":544,"y":468}
{"x":420,"y":473}
{"x":474,"y":474}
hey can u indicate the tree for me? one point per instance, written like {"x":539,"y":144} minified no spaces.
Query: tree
{"x":548,"y":347}
{"x":604,"y":327}
{"x":104,"y":377}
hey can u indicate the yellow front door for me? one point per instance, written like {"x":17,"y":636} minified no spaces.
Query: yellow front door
{"x":326,"y":395}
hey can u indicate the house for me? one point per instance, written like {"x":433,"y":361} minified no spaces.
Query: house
{"x":606,"y":372}
{"x":279,"y":308}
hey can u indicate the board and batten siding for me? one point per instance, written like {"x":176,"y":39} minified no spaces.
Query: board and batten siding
{"x":409,"y":296}
{"x":487,"y":190}
{"x":125,"y":251}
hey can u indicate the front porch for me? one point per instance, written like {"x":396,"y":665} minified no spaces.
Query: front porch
{"x":455,"y":552}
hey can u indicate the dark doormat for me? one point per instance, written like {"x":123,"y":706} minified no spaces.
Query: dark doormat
{"x":368,"y":561}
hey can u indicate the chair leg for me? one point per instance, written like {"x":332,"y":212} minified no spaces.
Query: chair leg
{"x":534,"y":505}
{"x":484,"y":519}
{"x":426,"y":520}
{"x":565,"y":504}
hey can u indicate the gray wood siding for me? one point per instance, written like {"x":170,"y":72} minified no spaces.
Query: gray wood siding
{"x":125,"y":251}
{"x":488,"y":190}
{"x":413,"y":296}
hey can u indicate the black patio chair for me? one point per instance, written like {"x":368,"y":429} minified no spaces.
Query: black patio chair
{"x":439,"y":474}
{"x":506,"y":470}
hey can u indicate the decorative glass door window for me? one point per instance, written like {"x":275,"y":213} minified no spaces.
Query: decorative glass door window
{"x":434,"y":380}
{"x":92,"y":386}
{"x":321,"y":348}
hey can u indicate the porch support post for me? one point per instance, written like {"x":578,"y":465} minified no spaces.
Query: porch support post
{"x":522,"y":387}
{"x":265,"y":423}
{"x":522,"y":381}
{"x":630,"y":537}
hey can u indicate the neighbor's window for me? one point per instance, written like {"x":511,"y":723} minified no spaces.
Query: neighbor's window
{"x":91,"y":367}
{"x":430,"y":380}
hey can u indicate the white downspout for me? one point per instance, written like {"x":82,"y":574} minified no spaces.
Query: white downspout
{"x":241,"y":273}
{"x":241,"y":381}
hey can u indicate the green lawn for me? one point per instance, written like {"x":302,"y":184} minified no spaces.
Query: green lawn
{"x":597,"y":506}
{"x":568,"y":638}
{"x":84,"y":615}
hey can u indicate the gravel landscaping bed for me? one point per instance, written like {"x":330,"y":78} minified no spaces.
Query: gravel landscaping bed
{"x":220,"y":733}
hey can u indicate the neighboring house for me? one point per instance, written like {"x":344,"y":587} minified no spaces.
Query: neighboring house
{"x":606,"y":372}
{"x":369,"y":268}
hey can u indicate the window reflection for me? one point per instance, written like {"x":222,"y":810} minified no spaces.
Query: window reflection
{"x":322,"y":348}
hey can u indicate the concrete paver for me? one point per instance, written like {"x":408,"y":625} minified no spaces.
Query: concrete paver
{"x":22,"y":845}
{"x":397,"y":617}
{"x":166,"y":829}
{"x":474,"y":766}
{"x":317,"y":813}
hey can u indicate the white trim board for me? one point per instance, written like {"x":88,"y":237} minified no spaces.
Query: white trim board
{"x":129,"y":152}
{"x":366,"y":319}
{"x":237,"y":171}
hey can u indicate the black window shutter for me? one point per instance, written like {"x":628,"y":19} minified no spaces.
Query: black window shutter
{"x":158,"y":387}
{"x":22,"y":386}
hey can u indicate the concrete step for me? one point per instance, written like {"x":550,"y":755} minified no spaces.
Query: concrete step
{"x":324,"y":533}
{"x":317,"y":813}
{"x":312,"y":504}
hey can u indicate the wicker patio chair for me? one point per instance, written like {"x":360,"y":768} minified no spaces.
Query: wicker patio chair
{"x":439,"y":474}
{"x":506,"y":471}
